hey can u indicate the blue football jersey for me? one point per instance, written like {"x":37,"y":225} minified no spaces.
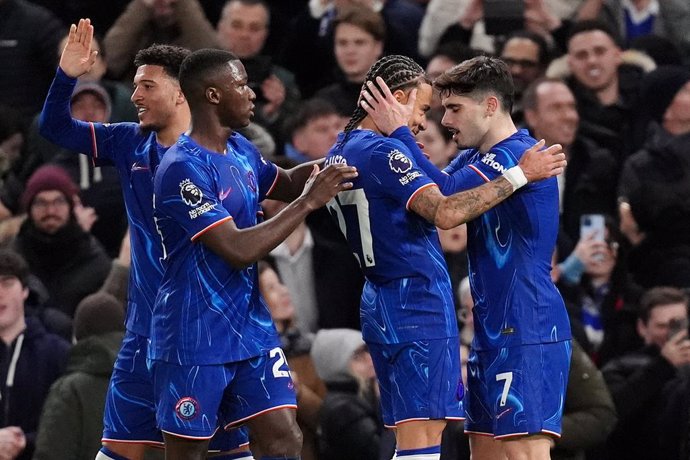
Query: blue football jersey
{"x":407,"y":295}
{"x":135,"y":154}
{"x":206,"y":311}
{"x":509,"y":249}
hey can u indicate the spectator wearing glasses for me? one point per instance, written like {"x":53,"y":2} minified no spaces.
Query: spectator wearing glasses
{"x":67,"y":259}
{"x":527,"y":56}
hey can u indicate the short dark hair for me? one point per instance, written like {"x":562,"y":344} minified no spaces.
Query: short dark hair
{"x":659,"y":297}
{"x":366,"y":19}
{"x":482,"y":74}
{"x":308,"y":111}
{"x":399,"y":72}
{"x":167,"y":56}
{"x":198,"y":70}
{"x":590,"y":25}
{"x":544,"y":55}
{"x":13,"y":264}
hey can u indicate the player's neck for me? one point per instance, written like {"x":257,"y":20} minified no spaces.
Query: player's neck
{"x":178,"y":125}
{"x":369,"y":124}
{"x":210,"y":134}
{"x":501,"y":129}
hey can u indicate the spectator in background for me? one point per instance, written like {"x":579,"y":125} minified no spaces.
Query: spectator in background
{"x":72,"y":419}
{"x":100,"y":186}
{"x":650,"y":385}
{"x":527,"y":56}
{"x":605,"y":87}
{"x":350,"y":423}
{"x":312,"y":130}
{"x":358,"y":43}
{"x":67,"y":259}
{"x":145,"y":22}
{"x":655,"y":184}
{"x":588,"y":185}
{"x":639,"y":18}
{"x":243,"y":29}
{"x":308,"y":48}
{"x":12,"y":140}
{"x":29,"y":36}
{"x":30,"y":361}
{"x":599,"y":295}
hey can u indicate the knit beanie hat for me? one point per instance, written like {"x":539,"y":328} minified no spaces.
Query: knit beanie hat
{"x":98,"y":314}
{"x":49,"y":177}
{"x":331,"y":353}
{"x":658,"y":89}
{"x":98,"y":91}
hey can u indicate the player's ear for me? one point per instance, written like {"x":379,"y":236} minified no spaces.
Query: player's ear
{"x":180,"y":99}
{"x":492,"y":105}
{"x":213,"y":95}
{"x":400,"y":96}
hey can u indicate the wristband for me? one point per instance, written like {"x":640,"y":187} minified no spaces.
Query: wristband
{"x":516,"y":177}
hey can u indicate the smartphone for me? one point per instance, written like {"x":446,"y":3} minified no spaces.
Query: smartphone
{"x":593,"y":224}
{"x":502,"y":17}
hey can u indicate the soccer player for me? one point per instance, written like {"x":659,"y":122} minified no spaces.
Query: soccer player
{"x":134,"y":149}
{"x":216,"y":356}
{"x":519,"y":364}
{"x":389,"y":219}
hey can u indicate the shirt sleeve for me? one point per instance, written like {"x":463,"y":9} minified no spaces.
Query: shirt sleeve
{"x":186,"y":194}
{"x":395,"y":170}
{"x":57,"y":125}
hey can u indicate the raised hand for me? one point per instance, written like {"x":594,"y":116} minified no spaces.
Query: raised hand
{"x":77,"y":57}
{"x":323,"y":185}
{"x":384,"y":109}
{"x":538,"y":164}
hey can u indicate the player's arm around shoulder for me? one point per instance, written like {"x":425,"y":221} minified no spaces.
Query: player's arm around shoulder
{"x":451,"y":211}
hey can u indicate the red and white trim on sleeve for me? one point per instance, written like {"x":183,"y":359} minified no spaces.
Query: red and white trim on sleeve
{"x":215,"y":224}
{"x":416,"y":194}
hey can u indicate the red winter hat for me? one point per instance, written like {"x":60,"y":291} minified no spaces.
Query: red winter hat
{"x":48,"y":177}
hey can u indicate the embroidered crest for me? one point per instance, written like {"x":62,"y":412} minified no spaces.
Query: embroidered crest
{"x":398,"y":162}
{"x":187,"y":408}
{"x":190,"y":193}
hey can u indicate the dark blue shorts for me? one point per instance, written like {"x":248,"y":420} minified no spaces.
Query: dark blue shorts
{"x":419,"y":380}
{"x":130,"y":412}
{"x":194,"y":401}
{"x":517,"y":391}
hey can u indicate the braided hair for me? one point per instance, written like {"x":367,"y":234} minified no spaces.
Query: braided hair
{"x":399,"y":72}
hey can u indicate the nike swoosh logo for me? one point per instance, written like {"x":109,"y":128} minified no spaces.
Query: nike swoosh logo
{"x":224,"y":194}
{"x":138,"y":167}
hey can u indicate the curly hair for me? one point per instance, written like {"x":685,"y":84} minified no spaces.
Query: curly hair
{"x":167,"y":56}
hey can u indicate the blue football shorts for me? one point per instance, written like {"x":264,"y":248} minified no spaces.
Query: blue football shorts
{"x":130,"y":412}
{"x":517,"y":391}
{"x":419,"y":380}
{"x":194,"y":401}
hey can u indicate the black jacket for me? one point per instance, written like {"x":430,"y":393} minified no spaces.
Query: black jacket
{"x":42,"y":360}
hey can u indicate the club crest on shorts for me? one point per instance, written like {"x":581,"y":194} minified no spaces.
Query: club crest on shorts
{"x":187,"y":408}
{"x":190,"y":193}
{"x":398,"y":162}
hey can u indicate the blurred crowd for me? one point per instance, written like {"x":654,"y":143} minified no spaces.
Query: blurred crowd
{"x":609,"y":80}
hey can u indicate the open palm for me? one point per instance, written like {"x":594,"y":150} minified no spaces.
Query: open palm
{"x":77,"y":56}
